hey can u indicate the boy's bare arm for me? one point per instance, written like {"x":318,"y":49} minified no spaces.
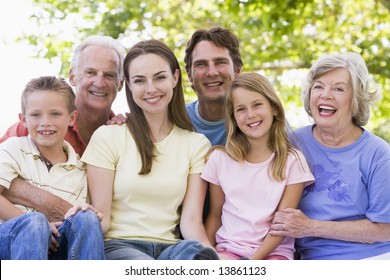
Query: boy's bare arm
{"x":23,"y":193}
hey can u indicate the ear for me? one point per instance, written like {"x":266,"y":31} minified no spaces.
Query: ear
{"x":274,"y":111}
{"x":22,"y":118}
{"x":72,"y":78}
{"x":191,"y":82}
{"x":73,"y":117}
{"x":238,"y":70}
{"x":176,"y":76}
{"x":121,"y":83}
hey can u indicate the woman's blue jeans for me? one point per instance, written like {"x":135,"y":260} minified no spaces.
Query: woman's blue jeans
{"x":81,"y":238}
{"x":121,"y":249}
{"x":26,"y":237}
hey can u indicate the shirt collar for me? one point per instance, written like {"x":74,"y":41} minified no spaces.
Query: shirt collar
{"x":72,"y":156}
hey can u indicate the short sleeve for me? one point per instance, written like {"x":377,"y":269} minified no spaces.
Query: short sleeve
{"x":17,"y":129}
{"x":102,"y":149}
{"x":200,"y":146}
{"x":378,"y":184}
{"x":298,"y":170}
{"x":9,"y":155}
{"x":210,"y":171}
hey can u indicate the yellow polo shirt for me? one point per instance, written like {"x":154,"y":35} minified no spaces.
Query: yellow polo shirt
{"x":19,"y":156}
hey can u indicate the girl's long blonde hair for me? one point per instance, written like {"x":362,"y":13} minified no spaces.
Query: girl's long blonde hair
{"x":237,"y":144}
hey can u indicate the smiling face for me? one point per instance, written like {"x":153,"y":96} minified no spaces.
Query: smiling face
{"x":151,"y":83}
{"x":253,"y":114}
{"x":96,"y":78}
{"x":212,"y":72}
{"x":331,"y":99}
{"x":47,"y":118}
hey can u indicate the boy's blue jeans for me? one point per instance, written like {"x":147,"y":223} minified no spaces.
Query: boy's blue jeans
{"x":26,"y":237}
{"x":81,"y":238}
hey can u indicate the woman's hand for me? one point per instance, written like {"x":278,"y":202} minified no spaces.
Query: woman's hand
{"x":292,"y":223}
{"x":72,"y":211}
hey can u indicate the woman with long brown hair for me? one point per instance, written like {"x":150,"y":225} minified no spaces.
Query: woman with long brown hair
{"x":145,"y":177}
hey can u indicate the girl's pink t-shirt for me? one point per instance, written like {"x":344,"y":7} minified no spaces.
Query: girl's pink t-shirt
{"x":251,"y":199}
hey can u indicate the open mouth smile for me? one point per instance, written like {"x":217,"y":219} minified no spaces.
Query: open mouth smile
{"x":255,"y":124}
{"x":326,"y":110}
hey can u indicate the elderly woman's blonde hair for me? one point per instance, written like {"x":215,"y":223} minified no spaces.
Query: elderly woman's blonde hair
{"x":364,"y":90}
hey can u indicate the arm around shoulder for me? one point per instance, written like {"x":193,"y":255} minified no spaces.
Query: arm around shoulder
{"x":23,"y":193}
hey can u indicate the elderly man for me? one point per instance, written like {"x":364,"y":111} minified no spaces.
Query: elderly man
{"x":97,"y":75}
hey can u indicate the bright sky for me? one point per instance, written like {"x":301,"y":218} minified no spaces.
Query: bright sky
{"x":17,"y":64}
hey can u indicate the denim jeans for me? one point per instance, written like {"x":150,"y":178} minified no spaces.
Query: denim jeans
{"x":121,"y":249}
{"x":26,"y":237}
{"x":81,"y":238}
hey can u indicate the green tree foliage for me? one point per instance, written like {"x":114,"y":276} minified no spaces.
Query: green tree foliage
{"x":277,"y":37}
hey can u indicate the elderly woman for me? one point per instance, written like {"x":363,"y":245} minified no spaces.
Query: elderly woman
{"x":345,"y":214}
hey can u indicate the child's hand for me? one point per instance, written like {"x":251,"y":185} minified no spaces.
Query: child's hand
{"x":72,"y":211}
{"x":55,"y":235}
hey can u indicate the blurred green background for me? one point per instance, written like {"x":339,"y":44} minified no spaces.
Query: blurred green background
{"x":279,"y":39}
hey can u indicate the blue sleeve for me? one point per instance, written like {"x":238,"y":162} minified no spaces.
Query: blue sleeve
{"x":378,"y":184}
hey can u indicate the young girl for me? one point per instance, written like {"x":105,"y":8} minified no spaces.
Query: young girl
{"x":254,"y":175}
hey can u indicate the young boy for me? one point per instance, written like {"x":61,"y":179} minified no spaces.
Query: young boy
{"x":46,"y":160}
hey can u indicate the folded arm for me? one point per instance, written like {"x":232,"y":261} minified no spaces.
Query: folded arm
{"x":23,"y":193}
